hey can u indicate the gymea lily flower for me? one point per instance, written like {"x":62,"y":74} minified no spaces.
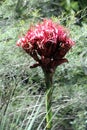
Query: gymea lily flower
{"x":47,"y":43}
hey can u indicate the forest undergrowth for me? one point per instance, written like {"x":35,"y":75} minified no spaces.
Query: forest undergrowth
{"x":22,"y":90}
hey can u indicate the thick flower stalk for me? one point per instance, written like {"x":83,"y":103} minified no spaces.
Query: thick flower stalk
{"x":47,"y":43}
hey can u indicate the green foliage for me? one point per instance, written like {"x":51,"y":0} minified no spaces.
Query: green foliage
{"x":22,"y":89}
{"x":70,"y":5}
{"x":82,"y":3}
{"x":7,"y":9}
{"x":38,"y":9}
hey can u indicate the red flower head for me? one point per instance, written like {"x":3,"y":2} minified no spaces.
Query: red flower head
{"x":47,"y":43}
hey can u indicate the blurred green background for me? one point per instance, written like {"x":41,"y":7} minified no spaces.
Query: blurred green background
{"x":22,"y":90}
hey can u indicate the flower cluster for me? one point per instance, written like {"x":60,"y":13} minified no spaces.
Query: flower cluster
{"x":47,"y":43}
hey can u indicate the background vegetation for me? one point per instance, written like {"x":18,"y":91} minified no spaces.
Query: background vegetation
{"x":22,"y":90}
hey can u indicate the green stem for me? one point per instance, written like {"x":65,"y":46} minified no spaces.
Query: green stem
{"x":48,"y":81}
